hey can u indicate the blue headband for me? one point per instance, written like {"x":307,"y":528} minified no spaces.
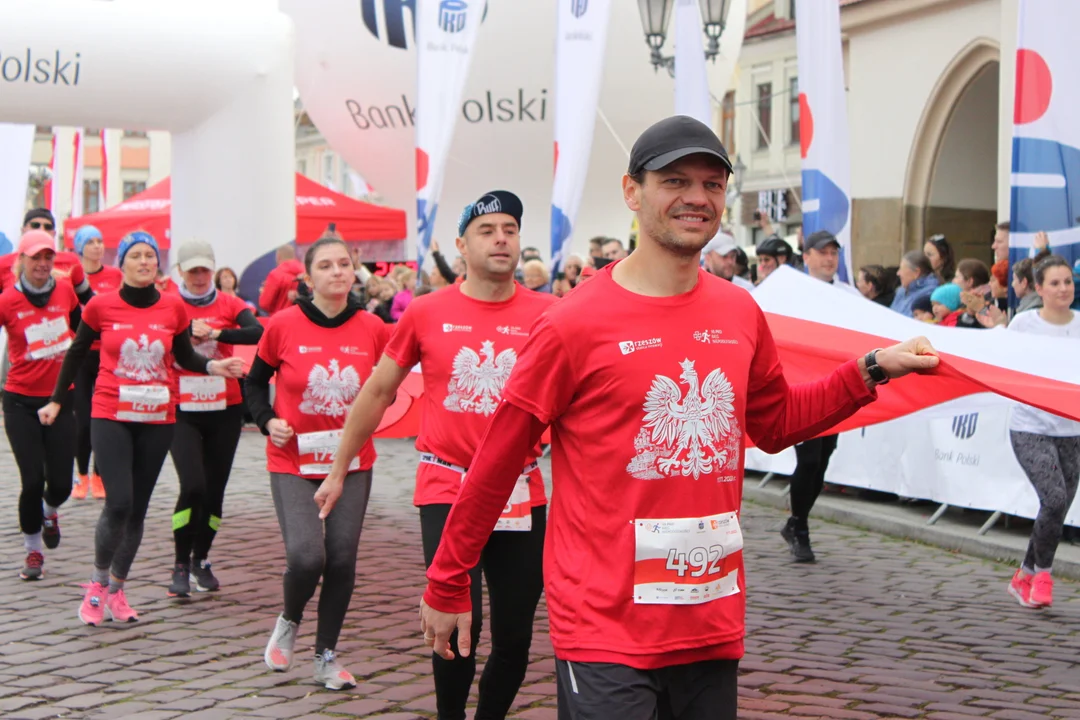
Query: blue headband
{"x":84,"y":235}
{"x":132,"y":239}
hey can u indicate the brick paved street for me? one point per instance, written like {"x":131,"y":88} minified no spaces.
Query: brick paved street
{"x":877,"y":629}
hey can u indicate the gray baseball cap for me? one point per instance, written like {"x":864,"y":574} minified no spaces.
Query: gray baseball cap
{"x":195,"y":254}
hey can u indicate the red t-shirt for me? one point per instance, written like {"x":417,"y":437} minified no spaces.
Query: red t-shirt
{"x":466,"y":349}
{"x":37,"y":339}
{"x":319,"y":373}
{"x":107,"y":279}
{"x":280,"y":280}
{"x":67,"y":263}
{"x":202,"y":393}
{"x":648,"y":408}
{"x":134,"y":382}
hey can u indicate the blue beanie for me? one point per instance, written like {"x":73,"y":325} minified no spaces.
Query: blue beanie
{"x":948,"y":295}
{"x":132,"y":239}
{"x":84,"y":235}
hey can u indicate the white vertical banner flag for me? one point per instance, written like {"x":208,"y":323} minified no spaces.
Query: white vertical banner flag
{"x":823,"y":126}
{"x":580,"y":44}
{"x":77,"y":175}
{"x":446,"y":33}
{"x":16,"y":148}
{"x":691,"y":77}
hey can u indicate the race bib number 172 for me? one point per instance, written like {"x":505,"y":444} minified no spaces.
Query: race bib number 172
{"x":686,"y":561}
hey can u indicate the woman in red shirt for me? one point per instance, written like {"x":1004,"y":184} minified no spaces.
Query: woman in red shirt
{"x":321,"y":350}
{"x":209,"y":418}
{"x":38,"y":314}
{"x":141,"y":332}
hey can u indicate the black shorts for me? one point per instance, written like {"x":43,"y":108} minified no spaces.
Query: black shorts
{"x":705,"y":690}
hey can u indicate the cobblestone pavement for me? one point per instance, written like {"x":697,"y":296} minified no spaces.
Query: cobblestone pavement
{"x":878,"y":628}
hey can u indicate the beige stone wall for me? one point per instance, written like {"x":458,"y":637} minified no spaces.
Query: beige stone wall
{"x":883,"y":229}
{"x":875,"y":231}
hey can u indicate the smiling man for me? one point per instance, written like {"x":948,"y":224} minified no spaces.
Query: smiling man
{"x":651,"y":403}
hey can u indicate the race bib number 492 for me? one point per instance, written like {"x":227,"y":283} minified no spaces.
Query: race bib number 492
{"x":686,"y":561}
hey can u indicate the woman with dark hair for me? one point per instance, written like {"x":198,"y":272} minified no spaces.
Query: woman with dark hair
{"x":875,"y":283}
{"x":917,"y":279}
{"x":940,"y":253}
{"x":1046,"y":446}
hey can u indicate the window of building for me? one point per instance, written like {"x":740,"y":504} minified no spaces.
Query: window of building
{"x":764,"y":114}
{"x":727,"y":122}
{"x":91,"y":196}
{"x":133,"y":187}
{"x":301,"y":167}
{"x":793,"y":105}
{"x":134,"y":134}
{"x":328,"y":170}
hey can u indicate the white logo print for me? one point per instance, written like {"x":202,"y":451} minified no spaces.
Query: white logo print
{"x":331,"y":390}
{"x":628,"y":346}
{"x":142,"y":361}
{"x":476,"y":386}
{"x":692,"y":435}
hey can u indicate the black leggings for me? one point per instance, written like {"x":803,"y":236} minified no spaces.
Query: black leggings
{"x":44,"y":456}
{"x":1052,"y":465}
{"x":130,"y":456}
{"x":203,"y":448}
{"x":809,"y":477}
{"x":84,"y":400}
{"x":512,"y":563}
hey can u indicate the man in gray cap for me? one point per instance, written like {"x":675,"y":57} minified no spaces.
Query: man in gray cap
{"x":719,"y":258}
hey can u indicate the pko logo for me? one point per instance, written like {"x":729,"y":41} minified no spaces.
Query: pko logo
{"x":579,"y":7}
{"x":452,"y":14}
{"x":964,"y":426}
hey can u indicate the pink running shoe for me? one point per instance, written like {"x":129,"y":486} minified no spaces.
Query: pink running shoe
{"x":1042,"y":590}
{"x":1020,"y":588}
{"x":92,"y":610}
{"x":118,"y":607}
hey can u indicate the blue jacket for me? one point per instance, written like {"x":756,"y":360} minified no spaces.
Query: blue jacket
{"x":906,"y":297}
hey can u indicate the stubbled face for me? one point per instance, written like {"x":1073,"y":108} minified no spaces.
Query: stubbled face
{"x":140,"y":265}
{"x":491,"y":246}
{"x":332,"y":273}
{"x":679,"y":207}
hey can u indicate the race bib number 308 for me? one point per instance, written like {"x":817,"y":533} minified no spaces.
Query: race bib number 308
{"x":686,"y":561}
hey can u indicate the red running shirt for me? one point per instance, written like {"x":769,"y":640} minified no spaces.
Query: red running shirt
{"x":67,"y":263}
{"x":466,"y":349}
{"x":107,"y":279}
{"x":202,"y":393}
{"x":134,"y":383}
{"x":650,"y":402}
{"x":38,"y":338}
{"x":319,"y":373}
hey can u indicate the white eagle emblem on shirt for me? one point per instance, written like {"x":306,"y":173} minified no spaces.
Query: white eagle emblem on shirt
{"x":142,"y":361}
{"x":685,"y":435}
{"x":330,"y":390}
{"x":475,"y":385}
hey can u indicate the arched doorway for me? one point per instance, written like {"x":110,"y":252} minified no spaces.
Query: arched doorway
{"x":951,"y":182}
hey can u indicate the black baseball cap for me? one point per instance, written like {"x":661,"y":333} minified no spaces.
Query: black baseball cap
{"x":38,"y":214}
{"x":496,"y":201}
{"x":672,"y":139}
{"x":819,"y":239}
{"x":774,"y":246}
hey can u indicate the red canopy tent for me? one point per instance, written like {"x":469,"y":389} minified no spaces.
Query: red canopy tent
{"x":316,"y":207}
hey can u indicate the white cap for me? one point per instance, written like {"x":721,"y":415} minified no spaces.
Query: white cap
{"x":722,"y":244}
{"x":194,"y":254}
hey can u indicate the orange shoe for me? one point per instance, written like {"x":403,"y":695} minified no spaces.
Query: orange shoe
{"x":97,"y":488}
{"x":82,"y":484}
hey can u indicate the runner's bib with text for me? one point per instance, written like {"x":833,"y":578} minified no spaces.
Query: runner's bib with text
{"x":686,"y":561}
{"x":143,"y":403}
{"x":48,"y":338}
{"x":202,"y":393}
{"x":317,"y":451}
{"x":517,"y":515}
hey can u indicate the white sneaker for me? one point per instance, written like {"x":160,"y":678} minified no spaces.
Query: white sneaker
{"x":279,"y":651}
{"x":331,"y":674}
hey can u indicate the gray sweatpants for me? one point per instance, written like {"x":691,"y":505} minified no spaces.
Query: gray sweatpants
{"x":320,"y":549}
{"x":1052,"y":465}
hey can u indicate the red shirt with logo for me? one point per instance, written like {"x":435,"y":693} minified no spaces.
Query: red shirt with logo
{"x":319,"y":374}
{"x":107,"y":279}
{"x":38,"y":338}
{"x":275,"y":295}
{"x":68,"y":263}
{"x":650,"y":401}
{"x":134,"y":382}
{"x":203,"y":393}
{"x":466,"y":349}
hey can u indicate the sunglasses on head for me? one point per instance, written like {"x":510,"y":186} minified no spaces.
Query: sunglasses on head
{"x":37,"y":225}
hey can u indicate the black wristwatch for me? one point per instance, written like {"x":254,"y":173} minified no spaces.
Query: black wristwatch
{"x":876,"y":373}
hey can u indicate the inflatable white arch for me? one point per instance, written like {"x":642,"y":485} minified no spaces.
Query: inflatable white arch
{"x":218,"y":76}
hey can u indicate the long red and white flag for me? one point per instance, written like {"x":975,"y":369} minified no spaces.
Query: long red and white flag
{"x":103,"y":185}
{"x":79,"y":143}
{"x":51,"y":189}
{"x":817,"y":327}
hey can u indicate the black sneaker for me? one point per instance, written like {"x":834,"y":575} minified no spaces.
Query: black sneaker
{"x":181,"y":585}
{"x":50,"y":531}
{"x":34,"y":568}
{"x":204,"y":577}
{"x":798,"y":542}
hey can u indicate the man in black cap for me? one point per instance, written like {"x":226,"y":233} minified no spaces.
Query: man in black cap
{"x":648,"y":401}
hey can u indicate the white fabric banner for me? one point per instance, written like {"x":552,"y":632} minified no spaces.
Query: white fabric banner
{"x":823,"y":126}
{"x":580,"y":43}
{"x":957,"y":453}
{"x":77,"y":176}
{"x":446,"y":33}
{"x":16,"y":147}
{"x":691,"y":78}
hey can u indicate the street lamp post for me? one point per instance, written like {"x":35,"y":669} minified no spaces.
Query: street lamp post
{"x":655,"y":15}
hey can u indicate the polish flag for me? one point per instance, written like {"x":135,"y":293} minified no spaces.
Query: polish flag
{"x":77,"y":175}
{"x":818,"y":327}
{"x":50,"y":187}
{"x":103,"y":186}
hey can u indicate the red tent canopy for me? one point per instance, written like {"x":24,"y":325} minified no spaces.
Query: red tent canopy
{"x":316,"y":207}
